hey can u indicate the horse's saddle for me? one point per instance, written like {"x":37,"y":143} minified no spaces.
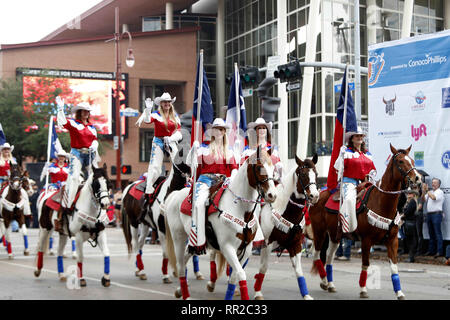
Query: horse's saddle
{"x":54,"y":201}
{"x":215,"y":193}
{"x":137,"y":191}
{"x":363,"y":191}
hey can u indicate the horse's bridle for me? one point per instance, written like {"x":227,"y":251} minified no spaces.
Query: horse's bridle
{"x":259,"y":183}
{"x":402,"y":172}
{"x":100,"y":194}
{"x":13,"y":179}
{"x":299,"y":174}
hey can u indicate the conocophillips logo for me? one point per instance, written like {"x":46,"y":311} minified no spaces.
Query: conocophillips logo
{"x":418,"y":158}
{"x":419,"y":98}
{"x":427,"y":60}
{"x":446,"y":159}
{"x":375,"y":65}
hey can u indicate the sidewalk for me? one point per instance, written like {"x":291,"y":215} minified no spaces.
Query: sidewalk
{"x":382,"y":255}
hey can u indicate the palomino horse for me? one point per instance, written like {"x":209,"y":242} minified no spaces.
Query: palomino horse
{"x":12,"y":206}
{"x":131,"y":212}
{"x":87,"y":221}
{"x":233,"y":224}
{"x":282,"y":222}
{"x":377,"y":223}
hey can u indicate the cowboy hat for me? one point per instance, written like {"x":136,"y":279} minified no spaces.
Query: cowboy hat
{"x":218,"y":123}
{"x":82,"y":106}
{"x":349,"y":134}
{"x":165,"y":97}
{"x":62,"y":153}
{"x":6,"y":145}
{"x":260,"y":122}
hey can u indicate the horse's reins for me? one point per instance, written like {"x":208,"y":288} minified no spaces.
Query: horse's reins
{"x":303,"y":186}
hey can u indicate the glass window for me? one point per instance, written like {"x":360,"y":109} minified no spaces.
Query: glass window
{"x":420,"y":25}
{"x":241,"y":28}
{"x":390,"y":4}
{"x":269,"y":10}
{"x":248,"y":18}
{"x":292,"y":25}
{"x":329,"y":93}
{"x":292,"y":5}
{"x":390,"y":20}
{"x":436,"y":25}
{"x":293,"y":135}
{"x":436,"y":8}
{"x":208,"y":31}
{"x":145,"y":143}
{"x":262,"y":55}
{"x":262,"y":35}
{"x":301,"y":18}
{"x":329,"y":128}
{"x":255,"y":37}
{"x":421,"y":7}
{"x":294,"y":106}
{"x":151,"y":24}
{"x":255,"y":15}
{"x":364,"y":110}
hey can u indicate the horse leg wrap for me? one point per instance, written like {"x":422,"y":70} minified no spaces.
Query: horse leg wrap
{"x":107,"y":264}
{"x":8,"y":248}
{"x":139,"y":263}
{"x":319,"y":265}
{"x":396,"y":282}
{"x":40,"y":262}
{"x":50,"y":243}
{"x":184,"y":288}
{"x":230,"y":291}
{"x":195,"y":262}
{"x":213,"y":271}
{"x":165,"y":263}
{"x":302,"y":285}
{"x":73,"y":245}
{"x":363,"y":278}
{"x":80,"y":269}
{"x":25,"y":241}
{"x":259,"y":281}
{"x":59,"y":261}
{"x":244,"y":290}
{"x":4,"y":241}
{"x":329,"y":270}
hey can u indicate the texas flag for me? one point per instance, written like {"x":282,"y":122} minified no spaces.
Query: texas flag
{"x":55,"y":144}
{"x":339,"y":130}
{"x":206,"y":109}
{"x":2,"y":136}
{"x":232,"y":111}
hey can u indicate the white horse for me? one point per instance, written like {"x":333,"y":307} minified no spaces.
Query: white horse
{"x":282,"y":222}
{"x":87,"y":221}
{"x":234,"y":225}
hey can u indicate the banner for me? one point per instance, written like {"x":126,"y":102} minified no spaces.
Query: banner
{"x":409,"y":104}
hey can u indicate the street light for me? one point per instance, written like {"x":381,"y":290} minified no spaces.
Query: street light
{"x":130,"y":63}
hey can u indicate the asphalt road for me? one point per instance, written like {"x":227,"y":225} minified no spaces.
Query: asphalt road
{"x":419,"y":281}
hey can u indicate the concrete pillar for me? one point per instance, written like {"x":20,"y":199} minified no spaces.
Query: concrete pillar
{"x":407,"y":18}
{"x":169,"y":15}
{"x":220,"y":55}
{"x":371,"y":12}
{"x":282,"y":47}
{"x":308,"y":79}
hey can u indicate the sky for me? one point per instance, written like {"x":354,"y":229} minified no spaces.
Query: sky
{"x":30,"y":20}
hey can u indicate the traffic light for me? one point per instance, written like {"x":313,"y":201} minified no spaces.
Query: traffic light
{"x":269,"y":105}
{"x":126,"y":169}
{"x":249,"y":76}
{"x":289,"y":72}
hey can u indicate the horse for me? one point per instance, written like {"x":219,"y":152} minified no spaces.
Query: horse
{"x":282,"y":222}
{"x":87,"y":222}
{"x":131,"y":212}
{"x":234,"y":229}
{"x":378,"y":222}
{"x":12,"y":206}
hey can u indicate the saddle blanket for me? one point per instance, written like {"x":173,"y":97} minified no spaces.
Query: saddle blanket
{"x":186,"y":205}
{"x":332,"y":205}
{"x":135,"y":192}
{"x":54,"y":201}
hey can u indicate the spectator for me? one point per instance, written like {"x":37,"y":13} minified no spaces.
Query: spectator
{"x":33,"y":204}
{"x":419,"y":223}
{"x":447,"y":255}
{"x":434,"y":200}
{"x":117,"y":206}
{"x":344,"y":250}
{"x":410,"y":231}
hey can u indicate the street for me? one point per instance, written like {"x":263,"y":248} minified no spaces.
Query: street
{"x":419,"y":281}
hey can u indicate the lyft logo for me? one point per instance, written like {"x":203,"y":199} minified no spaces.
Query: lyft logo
{"x":416,"y":133}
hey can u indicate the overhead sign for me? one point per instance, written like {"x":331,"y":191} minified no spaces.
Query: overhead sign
{"x":409,"y":100}
{"x":292,"y":86}
{"x":272,"y":64}
{"x":129,"y":112}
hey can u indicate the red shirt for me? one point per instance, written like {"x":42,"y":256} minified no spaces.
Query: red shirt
{"x":58,"y":173}
{"x":208,"y":164}
{"x":357,"y":164}
{"x":160,"y":126}
{"x":5,"y":170}
{"x":81,"y":136}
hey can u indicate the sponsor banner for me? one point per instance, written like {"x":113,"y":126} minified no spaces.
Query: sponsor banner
{"x":409,"y":105}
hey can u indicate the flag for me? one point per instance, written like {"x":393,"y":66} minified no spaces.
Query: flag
{"x":339,"y":130}
{"x":2,"y":136}
{"x":231,"y":117}
{"x":55,"y":144}
{"x":206,"y":109}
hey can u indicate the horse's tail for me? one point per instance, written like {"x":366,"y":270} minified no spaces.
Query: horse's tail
{"x":170,"y":250}
{"x":222,"y":263}
{"x":126,"y":225}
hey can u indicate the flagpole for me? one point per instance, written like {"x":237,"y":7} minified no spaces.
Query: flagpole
{"x":341,"y":173}
{"x":50,"y":132}
{"x":236,"y":90}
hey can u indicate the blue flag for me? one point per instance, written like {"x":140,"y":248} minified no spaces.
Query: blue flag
{"x":231,"y":117}
{"x":206,"y":108}
{"x":55,"y":144}
{"x":2,"y":136}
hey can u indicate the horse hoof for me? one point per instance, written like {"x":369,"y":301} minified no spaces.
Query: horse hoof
{"x":51,"y":253}
{"x":167,"y":280}
{"x":324,"y":286}
{"x":178,"y":293}
{"x":364,"y":295}
{"x":143,"y":276}
{"x":37,"y":273}
{"x":259,"y":297}
{"x":10,"y":257}
{"x":332,"y":289}
{"x":210,"y":286}
{"x":401,"y":297}
{"x":82,"y":283}
{"x":74,"y":256}
{"x":26,"y":253}
{"x":62,"y":279}
{"x":308,"y":297}
{"x":106,"y":282}
{"x":199,"y":276}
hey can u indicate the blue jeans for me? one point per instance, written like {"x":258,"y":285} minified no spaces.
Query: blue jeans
{"x":345,"y":248}
{"x":434,"y":221}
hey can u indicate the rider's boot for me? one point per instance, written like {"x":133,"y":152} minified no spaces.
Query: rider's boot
{"x":145,"y":207}
{"x":58,"y":221}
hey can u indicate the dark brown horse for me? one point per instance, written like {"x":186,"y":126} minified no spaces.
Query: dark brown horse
{"x":132,"y":219}
{"x":13,"y":205}
{"x":377,"y":222}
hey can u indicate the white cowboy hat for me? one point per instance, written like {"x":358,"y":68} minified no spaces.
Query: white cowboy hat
{"x":82,"y":106}
{"x":349,"y":134}
{"x":165,"y":97}
{"x":218,"y":123}
{"x":62,"y":153}
{"x":260,"y":122}
{"x":6,"y":145}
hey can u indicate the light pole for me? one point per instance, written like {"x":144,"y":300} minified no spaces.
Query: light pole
{"x":130,"y":63}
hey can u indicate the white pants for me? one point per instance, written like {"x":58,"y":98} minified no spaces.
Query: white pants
{"x":26,"y":206}
{"x":348,"y":208}
{"x":199,"y":214}
{"x":73,"y":181}
{"x":154,"y":167}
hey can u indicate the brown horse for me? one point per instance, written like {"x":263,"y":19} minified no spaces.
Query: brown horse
{"x":13,"y":203}
{"x":378,"y":222}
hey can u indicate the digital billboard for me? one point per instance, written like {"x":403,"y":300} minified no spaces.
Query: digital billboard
{"x":96,"y":88}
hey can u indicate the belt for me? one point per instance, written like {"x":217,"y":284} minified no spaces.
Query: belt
{"x":433,"y":212}
{"x":83,"y":150}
